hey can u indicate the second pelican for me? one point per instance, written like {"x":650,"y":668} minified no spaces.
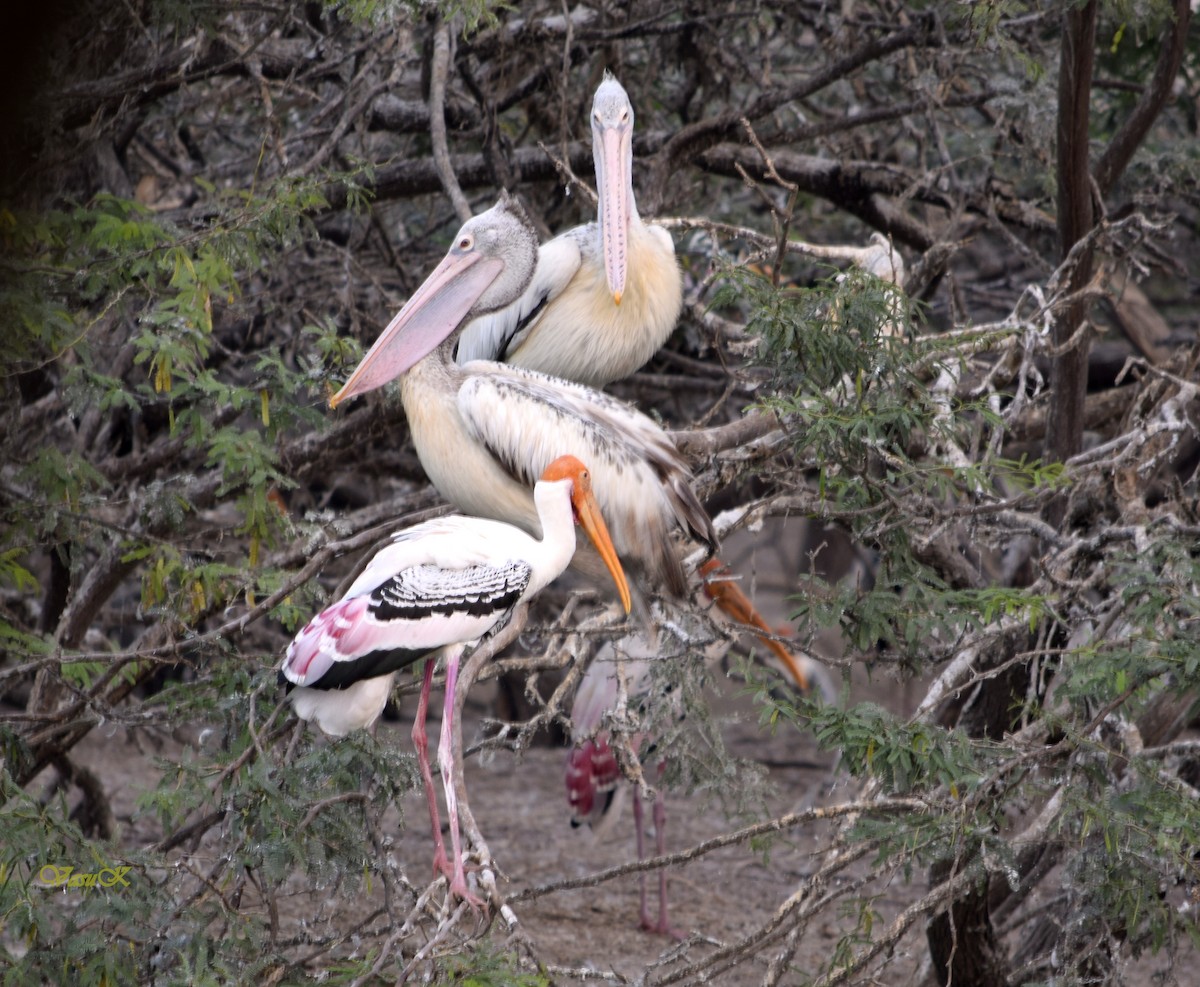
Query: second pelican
{"x":486,"y":431}
{"x":604,"y":296}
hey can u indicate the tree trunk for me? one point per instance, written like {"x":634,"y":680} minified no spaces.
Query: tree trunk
{"x":1068,"y":375}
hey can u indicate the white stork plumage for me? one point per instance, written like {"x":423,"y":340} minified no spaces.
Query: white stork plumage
{"x":485,"y":431}
{"x":434,"y":586}
{"x":604,"y":296}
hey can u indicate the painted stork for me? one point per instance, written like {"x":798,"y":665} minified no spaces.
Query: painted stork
{"x":604,"y":296}
{"x":593,"y":772}
{"x":485,"y":431}
{"x":434,"y":586}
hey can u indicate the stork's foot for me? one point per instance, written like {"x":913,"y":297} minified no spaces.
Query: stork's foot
{"x":660,"y":928}
{"x":456,"y":875}
{"x":458,"y":888}
{"x":441,"y":864}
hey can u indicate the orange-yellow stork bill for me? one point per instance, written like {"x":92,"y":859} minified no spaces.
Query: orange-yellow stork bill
{"x":604,"y":296}
{"x":719,"y":587}
{"x":486,"y":431}
{"x":435,"y":587}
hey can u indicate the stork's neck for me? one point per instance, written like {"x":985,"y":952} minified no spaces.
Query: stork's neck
{"x":553,"y":502}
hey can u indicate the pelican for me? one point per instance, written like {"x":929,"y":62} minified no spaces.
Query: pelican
{"x":604,"y":296}
{"x":485,"y":431}
{"x":438,"y":585}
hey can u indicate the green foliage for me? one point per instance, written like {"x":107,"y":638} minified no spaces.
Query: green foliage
{"x":989,"y":25}
{"x":84,"y":271}
{"x":864,"y":412}
{"x":168,"y":360}
{"x":475,"y":14}
{"x":482,"y":966}
{"x":851,"y":326}
{"x":14,"y":574}
{"x":308,"y":811}
{"x":62,"y":478}
{"x":87,"y":281}
{"x":1156,"y":645}
{"x":1128,"y":837}
{"x":904,"y":757}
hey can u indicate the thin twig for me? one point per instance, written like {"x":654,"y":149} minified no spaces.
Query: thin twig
{"x":443,"y":56}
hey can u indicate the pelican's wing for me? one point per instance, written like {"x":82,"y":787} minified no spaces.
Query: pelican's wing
{"x":527,"y":420}
{"x":498,"y":334}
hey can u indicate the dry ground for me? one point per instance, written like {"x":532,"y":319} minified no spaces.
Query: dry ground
{"x":521,"y":807}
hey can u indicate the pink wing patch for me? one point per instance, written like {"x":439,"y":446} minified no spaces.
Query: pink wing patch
{"x":592,"y":771}
{"x":335,"y":634}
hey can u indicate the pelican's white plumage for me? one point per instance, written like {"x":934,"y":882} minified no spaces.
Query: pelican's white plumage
{"x":604,"y":296}
{"x":484,"y":431}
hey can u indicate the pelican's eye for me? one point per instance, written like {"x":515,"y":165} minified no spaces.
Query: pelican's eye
{"x":466,"y":242}
{"x":624,"y":116}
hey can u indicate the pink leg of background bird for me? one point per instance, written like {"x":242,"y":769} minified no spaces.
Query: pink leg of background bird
{"x":592,"y":769}
{"x":663,"y":926}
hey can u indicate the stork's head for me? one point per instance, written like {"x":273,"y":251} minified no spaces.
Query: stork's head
{"x":490,"y":263}
{"x":573,"y":474}
{"x":612,"y":148}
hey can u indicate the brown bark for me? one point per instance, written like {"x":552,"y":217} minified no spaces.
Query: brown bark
{"x":694,"y":138}
{"x":1129,"y":137}
{"x":963,"y":943}
{"x":1068,"y":374}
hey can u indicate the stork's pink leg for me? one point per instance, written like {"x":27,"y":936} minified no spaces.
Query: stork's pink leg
{"x":643,"y":913}
{"x":447,"y":755}
{"x":662,"y":927}
{"x":421,"y":743}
